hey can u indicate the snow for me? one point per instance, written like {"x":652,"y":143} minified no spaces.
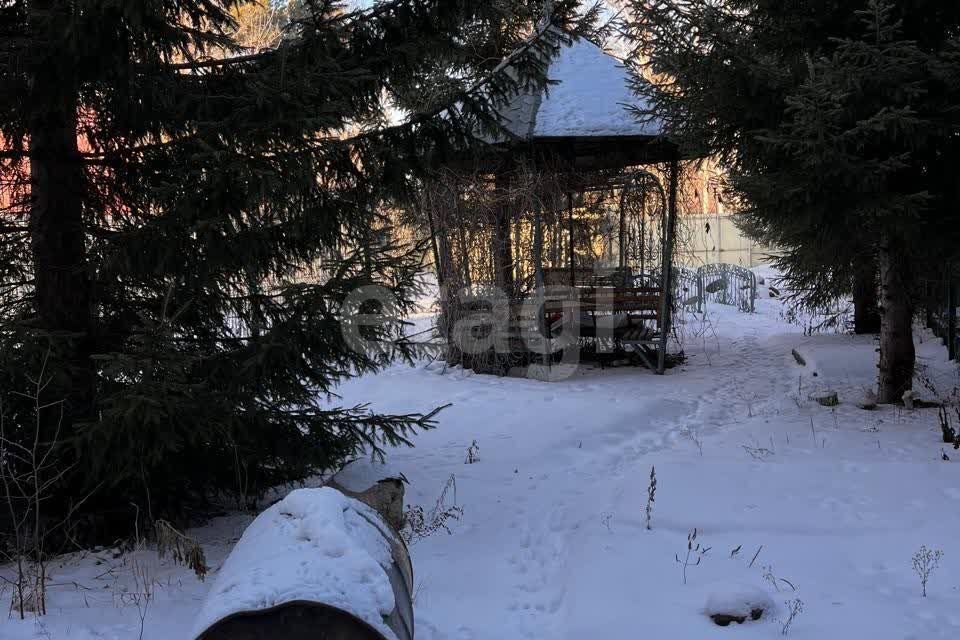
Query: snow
{"x":552,"y":545}
{"x":589,"y":96}
{"x":315,"y":545}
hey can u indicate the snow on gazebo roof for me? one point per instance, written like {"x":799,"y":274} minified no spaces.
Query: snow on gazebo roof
{"x":589,"y":96}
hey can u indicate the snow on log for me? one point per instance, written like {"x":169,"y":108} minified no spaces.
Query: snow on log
{"x":869,"y":401}
{"x":825,"y":398}
{"x":385,"y":496}
{"x":316,"y":564}
{"x":909,"y":399}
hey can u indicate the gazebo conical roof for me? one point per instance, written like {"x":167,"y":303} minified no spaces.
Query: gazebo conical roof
{"x":589,"y":96}
{"x":585,"y":118}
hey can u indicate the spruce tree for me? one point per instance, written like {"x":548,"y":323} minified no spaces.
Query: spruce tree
{"x":731,"y":84}
{"x":852,"y":128}
{"x":828,"y":116}
{"x":182,"y":219}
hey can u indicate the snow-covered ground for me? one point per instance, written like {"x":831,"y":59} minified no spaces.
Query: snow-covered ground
{"x":828,"y":505}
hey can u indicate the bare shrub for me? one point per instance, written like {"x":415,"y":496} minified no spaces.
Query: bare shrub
{"x":946,"y":429}
{"x":925,"y":562}
{"x":473,"y":453}
{"x":748,"y":397}
{"x":259,"y":25}
{"x":694,"y":555}
{"x":142,"y":593}
{"x":605,"y":519}
{"x":31,"y":467}
{"x":775,"y":581}
{"x":758,"y":453}
{"x":182,"y":548}
{"x":651,"y":495}
{"x":29,"y":589}
{"x":794,"y":609}
{"x":950,"y":434}
{"x":419,"y":524}
{"x":696,"y":437}
{"x":704,"y":329}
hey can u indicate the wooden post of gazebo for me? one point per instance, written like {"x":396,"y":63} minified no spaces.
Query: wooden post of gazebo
{"x":573,"y":255}
{"x":539,"y":289}
{"x":622,"y":238}
{"x":666,"y":304}
{"x":501,"y":239}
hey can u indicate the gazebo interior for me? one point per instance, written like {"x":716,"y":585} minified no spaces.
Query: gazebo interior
{"x":558,"y":246}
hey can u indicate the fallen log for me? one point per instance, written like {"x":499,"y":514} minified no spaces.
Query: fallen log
{"x":799,"y":358}
{"x":825,"y":398}
{"x":317,"y":564}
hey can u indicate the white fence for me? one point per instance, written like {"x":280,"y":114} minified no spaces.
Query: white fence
{"x":715,"y":239}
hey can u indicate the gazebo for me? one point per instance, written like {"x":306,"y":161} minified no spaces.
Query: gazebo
{"x":612,"y":284}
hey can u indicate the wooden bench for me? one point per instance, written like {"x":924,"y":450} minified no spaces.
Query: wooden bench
{"x":636,"y":306}
{"x":587,"y":277}
{"x":642,"y":302}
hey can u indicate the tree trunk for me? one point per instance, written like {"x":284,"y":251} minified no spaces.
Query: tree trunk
{"x":61,"y":280}
{"x":440,"y":216}
{"x":434,"y":246}
{"x":866,"y":311}
{"x":897,"y":356}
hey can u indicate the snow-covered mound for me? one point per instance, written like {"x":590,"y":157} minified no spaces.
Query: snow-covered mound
{"x":738,"y":600}
{"x":315,"y":545}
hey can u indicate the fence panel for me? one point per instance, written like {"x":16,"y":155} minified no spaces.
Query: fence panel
{"x":940,"y":310}
{"x":712,"y":239}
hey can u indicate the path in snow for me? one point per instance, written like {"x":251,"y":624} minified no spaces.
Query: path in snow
{"x":617,"y":474}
